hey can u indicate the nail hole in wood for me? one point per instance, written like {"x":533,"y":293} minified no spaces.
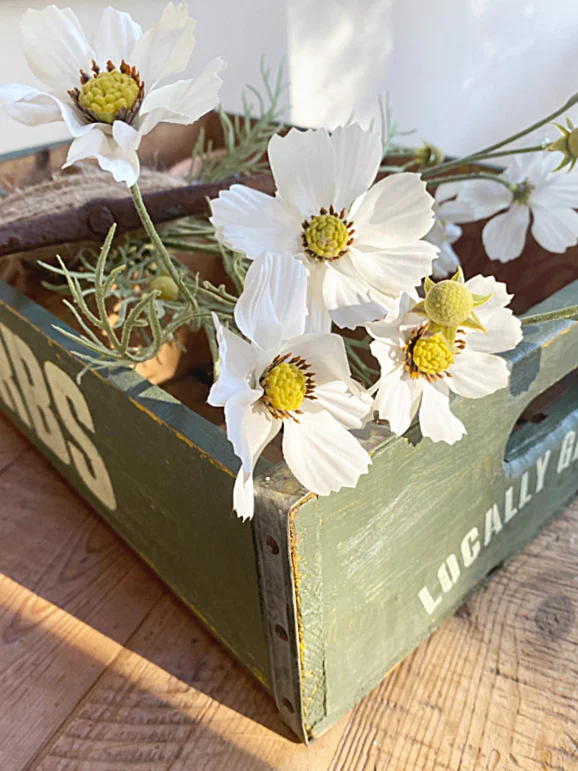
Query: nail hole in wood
{"x":288,"y":705}
{"x":281,"y":633}
{"x":272,"y":545}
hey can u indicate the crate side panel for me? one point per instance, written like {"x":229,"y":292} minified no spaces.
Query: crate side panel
{"x":159,"y":474}
{"x":391,"y":559}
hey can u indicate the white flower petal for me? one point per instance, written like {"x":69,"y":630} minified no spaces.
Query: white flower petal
{"x":560,"y":192}
{"x":435,"y":417}
{"x":322,"y":454}
{"x":251,"y":222}
{"x":455,"y":211}
{"x":28,"y":105}
{"x":453,"y":232}
{"x":447,"y":263}
{"x":318,"y":320}
{"x":116,"y":154}
{"x":357,"y":157}
{"x":437,"y":234}
{"x":324,"y":353}
{"x":126,"y":137}
{"x":254,"y":312}
{"x":349,"y":408}
{"x":262,"y":429}
{"x":395,"y":269}
{"x":503,"y":329}
{"x":166,"y":48}
{"x":287,"y":283}
{"x":504,"y":236}
{"x":185,"y":101}
{"x":237,"y":360}
{"x":90,"y":145}
{"x":272,"y":307}
{"x":249,"y":425}
{"x":55,"y":47}
{"x":446,"y":191}
{"x":347,"y":296}
{"x":244,"y":495}
{"x":115,"y":37}
{"x":488,"y":285}
{"x":303,"y":165}
{"x":503,"y":332}
{"x":396,"y":211}
{"x":388,"y":352}
{"x":484,"y":197}
{"x":477,"y":374}
{"x":555,"y":229}
{"x":398,"y":398}
{"x":31,"y":107}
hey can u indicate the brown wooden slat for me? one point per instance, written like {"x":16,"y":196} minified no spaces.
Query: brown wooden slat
{"x":92,"y":221}
{"x":175,"y":699}
{"x":70,"y":595}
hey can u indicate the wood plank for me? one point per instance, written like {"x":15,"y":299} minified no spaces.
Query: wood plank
{"x":379,"y":567}
{"x":12,"y":444}
{"x":174,"y":699}
{"x":495,"y":688}
{"x":70,"y":594}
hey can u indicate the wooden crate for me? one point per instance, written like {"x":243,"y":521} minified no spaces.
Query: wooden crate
{"x":318,"y":598}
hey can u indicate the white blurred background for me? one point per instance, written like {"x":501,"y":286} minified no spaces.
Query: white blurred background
{"x":462,"y":72}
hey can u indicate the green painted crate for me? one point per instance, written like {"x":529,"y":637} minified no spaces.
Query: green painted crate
{"x":318,"y":598}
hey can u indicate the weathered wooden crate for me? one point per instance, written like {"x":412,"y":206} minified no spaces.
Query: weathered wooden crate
{"x":318,"y":598}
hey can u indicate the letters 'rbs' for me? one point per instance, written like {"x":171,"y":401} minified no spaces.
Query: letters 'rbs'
{"x":49,"y":402}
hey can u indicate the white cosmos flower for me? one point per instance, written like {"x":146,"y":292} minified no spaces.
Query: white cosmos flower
{"x":360,"y":244}
{"x":110,"y":109}
{"x":446,"y":231}
{"x":282,"y":378}
{"x":538,"y":191}
{"x":419,"y":369}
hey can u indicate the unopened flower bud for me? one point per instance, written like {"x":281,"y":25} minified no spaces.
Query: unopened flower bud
{"x":428,"y":155}
{"x":567,"y":144}
{"x":167,"y":287}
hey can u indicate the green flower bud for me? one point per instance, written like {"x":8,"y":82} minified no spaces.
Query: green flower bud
{"x":567,"y":144}
{"x":167,"y":287}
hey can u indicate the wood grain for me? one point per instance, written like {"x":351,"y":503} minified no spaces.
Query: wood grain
{"x":102,"y":669}
{"x":496,"y":687}
{"x":70,"y":595}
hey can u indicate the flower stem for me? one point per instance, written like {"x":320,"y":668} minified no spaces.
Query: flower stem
{"x":571,"y":312}
{"x":157,"y":242}
{"x":516,"y":151}
{"x":461,"y":177}
{"x":482,"y":154}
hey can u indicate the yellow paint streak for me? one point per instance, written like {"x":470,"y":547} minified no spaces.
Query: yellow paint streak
{"x":297,"y":578}
{"x":562,"y":332}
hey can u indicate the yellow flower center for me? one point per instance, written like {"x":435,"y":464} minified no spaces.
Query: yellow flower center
{"x":109,"y":94}
{"x":327,"y":235}
{"x":432,"y":355}
{"x":448,"y":303}
{"x":285,"y":387}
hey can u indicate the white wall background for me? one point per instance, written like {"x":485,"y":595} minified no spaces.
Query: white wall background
{"x":463,"y":72}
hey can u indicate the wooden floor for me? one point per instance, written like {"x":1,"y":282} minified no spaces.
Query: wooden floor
{"x":102,"y":669}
